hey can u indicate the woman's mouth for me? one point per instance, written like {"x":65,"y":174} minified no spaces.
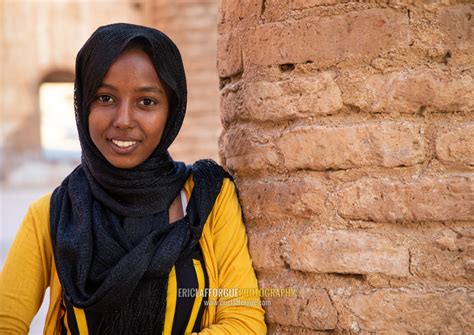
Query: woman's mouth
{"x":123,"y":147}
{"x":124,"y":144}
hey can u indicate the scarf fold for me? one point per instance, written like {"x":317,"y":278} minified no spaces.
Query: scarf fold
{"x":112,"y":242}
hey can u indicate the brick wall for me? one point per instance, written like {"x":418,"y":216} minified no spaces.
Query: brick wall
{"x":349,"y":127}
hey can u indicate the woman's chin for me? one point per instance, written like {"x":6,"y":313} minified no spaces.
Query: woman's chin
{"x":122,"y":162}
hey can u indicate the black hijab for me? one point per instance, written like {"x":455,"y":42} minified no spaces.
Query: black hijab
{"x":112,"y":241}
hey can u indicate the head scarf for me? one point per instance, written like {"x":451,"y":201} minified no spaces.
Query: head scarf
{"x":112,"y":241}
{"x":137,"y":191}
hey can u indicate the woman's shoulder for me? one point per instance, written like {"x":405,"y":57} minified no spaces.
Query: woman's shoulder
{"x":39,"y":208}
{"x":42,"y":203}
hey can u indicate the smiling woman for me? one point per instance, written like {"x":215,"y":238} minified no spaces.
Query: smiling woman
{"x":129,"y":114}
{"x":130,"y":228}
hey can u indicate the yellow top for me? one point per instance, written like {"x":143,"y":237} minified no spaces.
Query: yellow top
{"x":29,"y":269}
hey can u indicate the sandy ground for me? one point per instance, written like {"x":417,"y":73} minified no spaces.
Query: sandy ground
{"x":14,"y":203}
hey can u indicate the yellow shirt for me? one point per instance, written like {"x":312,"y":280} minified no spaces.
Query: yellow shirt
{"x":29,"y":269}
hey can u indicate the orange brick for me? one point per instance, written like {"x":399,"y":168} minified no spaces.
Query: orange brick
{"x":341,"y":251}
{"x":327,"y":40}
{"x":457,"y":146}
{"x":386,"y":144}
{"x":409,"y":310}
{"x":408,"y":91}
{"x":439,"y":198}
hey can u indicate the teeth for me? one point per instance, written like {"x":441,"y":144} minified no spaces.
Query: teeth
{"x":124,"y":144}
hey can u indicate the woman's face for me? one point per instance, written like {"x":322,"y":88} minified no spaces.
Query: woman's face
{"x":129,"y":112}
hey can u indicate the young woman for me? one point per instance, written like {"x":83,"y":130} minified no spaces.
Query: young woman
{"x":133,"y":242}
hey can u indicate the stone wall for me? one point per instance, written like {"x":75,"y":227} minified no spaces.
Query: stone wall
{"x":349,"y":127}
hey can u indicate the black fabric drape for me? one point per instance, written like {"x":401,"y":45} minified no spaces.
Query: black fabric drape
{"x":112,"y":241}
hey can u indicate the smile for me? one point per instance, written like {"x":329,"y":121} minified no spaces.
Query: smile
{"x":123,"y":147}
{"x":124,"y":144}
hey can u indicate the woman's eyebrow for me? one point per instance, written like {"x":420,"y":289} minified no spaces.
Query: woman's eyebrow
{"x":155,"y":89}
{"x":104,"y":85}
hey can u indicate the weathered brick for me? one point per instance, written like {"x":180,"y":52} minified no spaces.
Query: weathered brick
{"x":311,"y":308}
{"x":469,"y":266}
{"x":420,"y":199}
{"x":231,"y":105}
{"x":343,"y":251}
{"x":390,"y":311}
{"x":264,"y":198}
{"x":232,"y":12}
{"x":293,"y":98}
{"x":456,"y":25}
{"x":457,"y":146}
{"x":328,"y":40}
{"x":301,"y":4}
{"x":249,"y":150}
{"x":229,"y":60}
{"x":440,"y":254}
{"x":265,"y":253}
{"x":276,"y":329}
{"x":386,"y":144}
{"x":446,"y":240}
{"x":407,"y":91}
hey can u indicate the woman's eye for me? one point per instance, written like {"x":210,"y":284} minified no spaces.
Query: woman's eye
{"x":147,"y":102}
{"x":104,"y":98}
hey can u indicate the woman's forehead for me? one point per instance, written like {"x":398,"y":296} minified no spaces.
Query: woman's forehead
{"x":133,"y":70}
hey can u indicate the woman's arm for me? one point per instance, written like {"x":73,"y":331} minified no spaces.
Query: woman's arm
{"x":235,"y":315}
{"x":26,"y":273}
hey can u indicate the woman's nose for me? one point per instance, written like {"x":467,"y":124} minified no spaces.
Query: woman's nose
{"x":124,"y":116}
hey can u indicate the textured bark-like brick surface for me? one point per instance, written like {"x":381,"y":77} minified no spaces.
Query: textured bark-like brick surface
{"x":457,"y":146}
{"x":349,"y":129}
{"x":441,"y":198}
{"x":410,"y":311}
{"x":229,"y":44}
{"x":284,"y":99}
{"x":264,"y":198}
{"x":386,"y":144}
{"x":312,"y":308}
{"x":328,"y":39}
{"x":346,"y":252}
{"x":408,"y":91}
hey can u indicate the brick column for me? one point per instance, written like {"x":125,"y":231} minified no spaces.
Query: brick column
{"x":349,"y":127}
